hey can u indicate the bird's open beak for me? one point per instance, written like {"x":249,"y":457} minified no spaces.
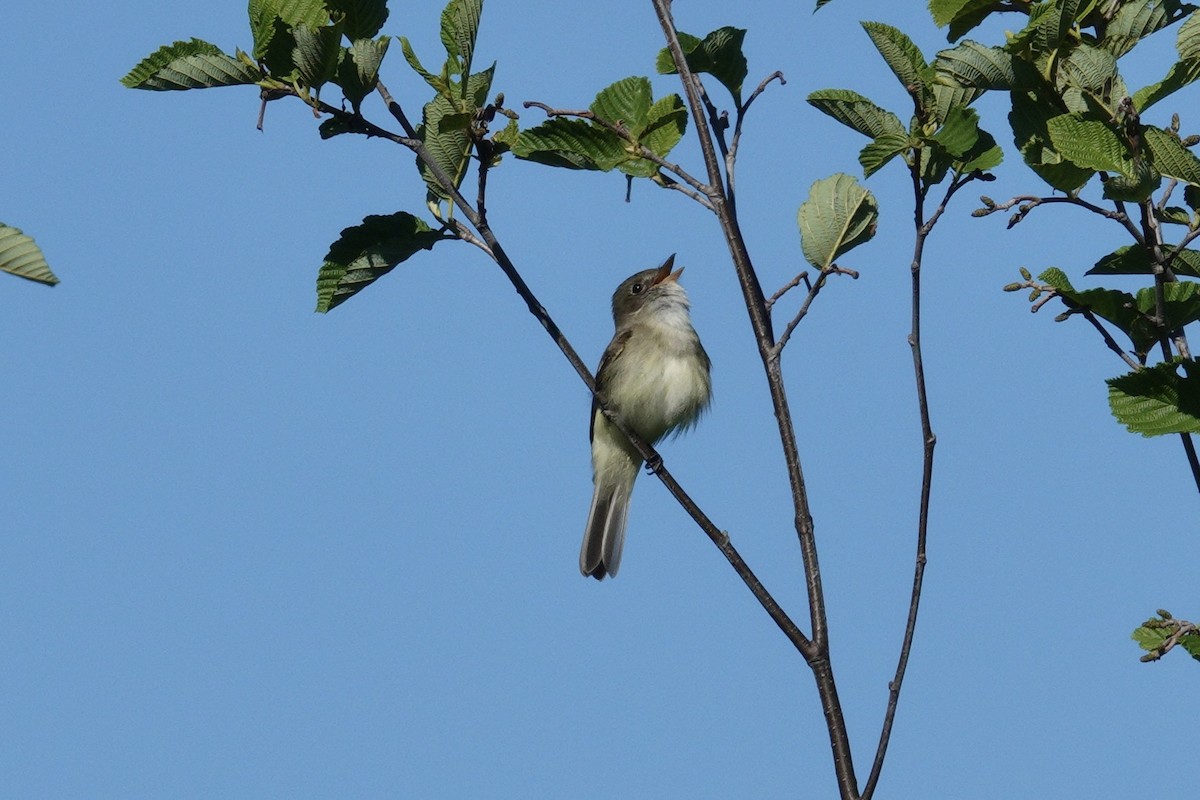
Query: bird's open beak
{"x":664,"y":273}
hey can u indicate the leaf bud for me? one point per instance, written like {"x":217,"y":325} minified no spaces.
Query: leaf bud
{"x":1013,"y":287}
{"x":1026,"y":274}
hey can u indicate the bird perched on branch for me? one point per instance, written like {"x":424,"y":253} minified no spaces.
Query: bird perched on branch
{"x":655,"y":376}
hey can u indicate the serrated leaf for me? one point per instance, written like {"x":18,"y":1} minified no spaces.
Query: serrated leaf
{"x":358,"y":68}
{"x":857,"y":112}
{"x":1187,"y":42}
{"x":362,"y":19}
{"x":1181,"y":74}
{"x":975,"y":66}
{"x":316,"y":54}
{"x":1093,"y":72}
{"x":270,"y":17}
{"x":1181,"y":303}
{"x":20,"y":256}
{"x":944,"y":12}
{"x":838,"y":215}
{"x":1031,"y":111}
{"x":1133,"y":260}
{"x":460,"y":27}
{"x":1151,"y":638}
{"x":364,"y":253}
{"x":1090,"y":144}
{"x":719,"y":54}
{"x":960,"y":132}
{"x":626,"y":102}
{"x":1191,"y":196}
{"x":1158,"y":400}
{"x":1170,"y":157}
{"x":570,"y":143}
{"x":666,"y":123}
{"x":195,"y":64}
{"x":450,"y":147}
{"x":880,"y":151}
{"x":1056,"y":278}
{"x":901,"y":55}
{"x":1135,"y":21}
{"x":985,"y":155}
{"x":440,"y":84}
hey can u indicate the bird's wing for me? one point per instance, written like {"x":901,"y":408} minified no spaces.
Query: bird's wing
{"x":614,"y":349}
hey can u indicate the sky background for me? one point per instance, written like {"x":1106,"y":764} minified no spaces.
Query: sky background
{"x":254,"y":551}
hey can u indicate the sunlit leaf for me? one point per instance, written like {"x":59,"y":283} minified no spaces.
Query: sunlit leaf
{"x":1158,"y":400}
{"x":719,"y":54}
{"x":838,"y":215}
{"x":857,"y":112}
{"x":190,"y":65}
{"x":1170,"y":157}
{"x":20,"y":256}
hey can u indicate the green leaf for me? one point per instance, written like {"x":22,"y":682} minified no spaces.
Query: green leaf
{"x":1090,"y":144}
{"x":901,"y":55}
{"x":190,"y":65}
{"x":1135,"y":21}
{"x":985,"y":155}
{"x":1170,"y":157}
{"x":362,"y":19}
{"x":1031,"y":111}
{"x":945,"y":12}
{"x":20,"y":256}
{"x":268,"y":18}
{"x":626,"y":102}
{"x":358,"y":68}
{"x":1133,"y":260}
{"x":1181,"y":303}
{"x":1158,"y":400}
{"x":881,"y":150}
{"x":719,"y":54}
{"x":1187,"y":42}
{"x":316,"y":54}
{"x":1119,"y":308}
{"x":460,"y":27}
{"x":838,"y":215}
{"x":571,"y":143}
{"x":440,"y":83}
{"x":666,"y":123}
{"x":1092,"y":72}
{"x":975,"y":66}
{"x":960,"y":133}
{"x":857,"y":112}
{"x":450,"y":145}
{"x":1182,"y":73}
{"x":368,"y":251}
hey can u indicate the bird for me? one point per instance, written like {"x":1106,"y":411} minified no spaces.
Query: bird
{"x":656,"y":376}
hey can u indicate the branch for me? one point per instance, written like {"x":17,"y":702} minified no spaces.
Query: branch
{"x":923,"y":228}
{"x":816,"y":653}
{"x":1030,"y":202}
{"x":813,"y":290}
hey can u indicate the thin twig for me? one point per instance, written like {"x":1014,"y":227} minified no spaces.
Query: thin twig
{"x":1109,"y":341}
{"x":1029,"y":202}
{"x":787,"y":287}
{"x":813,"y":290}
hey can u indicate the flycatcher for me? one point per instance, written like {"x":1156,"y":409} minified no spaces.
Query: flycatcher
{"x":655,"y":376}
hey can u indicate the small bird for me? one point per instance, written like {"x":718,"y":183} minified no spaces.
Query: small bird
{"x":655,"y":376}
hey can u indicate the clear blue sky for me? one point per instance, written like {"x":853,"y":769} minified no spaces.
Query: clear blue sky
{"x":253,"y":551}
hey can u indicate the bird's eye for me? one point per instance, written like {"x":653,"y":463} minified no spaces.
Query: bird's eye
{"x":636,"y":288}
